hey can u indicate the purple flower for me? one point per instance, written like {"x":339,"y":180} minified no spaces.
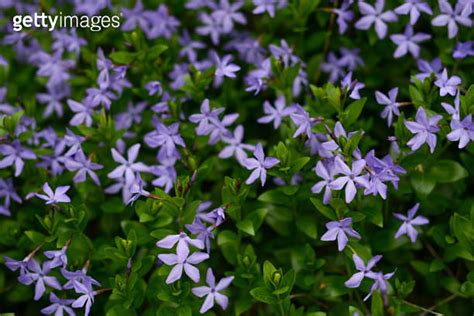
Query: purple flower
{"x":68,"y":42}
{"x":339,"y":230}
{"x":166,"y":137}
{"x":350,"y":58}
{"x":58,"y":196}
{"x":189,"y":46}
{"x":39,"y":275}
{"x":427,"y":68}
{"x":259,"y":165}
{"x":181,"y":260}
{"x":414,"y":9}
{"x":380,"y":283}
{"x":357,"y":277}
{"x":269,"y":6}
{"x":224,"y":68}
{"x":463,"y":50}
{"x":84,"y":112}
{"x":277,"y":113}
{"x":134,"y":17}
{"x":284,"y":53}
{"x":202,"y":232}
{"x":84,"y":167}
{"x":451,"y":17}
{"x":462,"y":131}
{"x":85,"y":300}
{"x":235,"y":146}
{"x":424,"y":129}
{"x":166,"y":175}
{"x":409,"y":221}
{"x":128,"y":166}
{"x":447,"y":85}
{"x":58,"y":306}
{"x":162,"y":23}
{"x":408,"y":42}
{"x":58,"y":257}
{"x":205,"y":118}
{"x":14,"y":265}
{"x":219,"y":128}
{"x":391,"y":104}
{"x":136,"y":189}
{"x":78,"y":279}
{"x":183,"y":242}
{"x":351,"y":86}
{"x":344,"y":15}
{"x":333,"y":66}
{"x":211,"y":27}
{"x":212,"y":292}
{"x":154,"y":87}
{"x":349,"y":177}
{"x":14,"y":155}
{"x":53,"y":99}
{"x":375,"y":15}
{"x":302,"y":120}
{"x":226,"y":14}
{"x":324,"y":173}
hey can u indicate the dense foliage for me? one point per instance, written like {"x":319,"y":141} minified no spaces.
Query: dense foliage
{"x":263,"y":157}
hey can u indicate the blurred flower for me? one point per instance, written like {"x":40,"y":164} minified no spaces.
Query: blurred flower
{"x":408,"y":42}
{"x":451,"y":17}
{"x":391,"y":104}
{"x":414,"y":9}
{"x":375,"y":15}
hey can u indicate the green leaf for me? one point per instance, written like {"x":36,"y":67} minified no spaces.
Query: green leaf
{"x":307,"y":225}
{"x":246,"y":226}
{"x":122,"y":57}
{"x":447,"y":171}
{"x":422,"y":182}
{"x":416,"y":96}
{"x":323,"y":209}
{"x":268,"y":271}
{"x":155,"y":51}
{"x":353,"y":111}
{"x":263,"y":294}
{"x":376,"y":307}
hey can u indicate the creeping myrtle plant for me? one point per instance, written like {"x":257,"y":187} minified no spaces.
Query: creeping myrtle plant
{"x":207,"y":156}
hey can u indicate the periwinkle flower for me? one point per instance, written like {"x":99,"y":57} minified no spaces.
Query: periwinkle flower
{"x":302,"y":120}
{"x":380,"y":283}
{"x":350,"y":58}
{"x":58,"y":306}
{"x":84,"y":112}
{"x":68,"y":41}
{"x":154,"y":88}
{"x":391,"y":104}
{"x":226,"y":14}
{"x":14,"y":155}
{"x":374,"y":15}
{"x":351,"y":86}
{"x":78,"y":279}
{"x":212,"y":292}
{"x":203,"y":233}
{"x":166,"y":137}
{"x":57,"y":258}
{"x":277,"y":113}
{"x":205,"y":118}
{"x":451,"y":17}
{"x":350,"y":177}
{"x":429,"y":67}
{"x":137,"y":190}
{"x":424,"y":129}
{"x":339,"y":230}
{"x":134,"y":17}
{"x":463,"y":50}
{"x":128,"y":167}
{"x":333,"y":67}
{"x":181,"y":239}
{"x":447,"y":85}
{"x":224,"y":68}
{"x":235,"y":147}
{"x":462,"y":131}
{"x":414,"y":8}
{"x":284,"y":53}
{"x":83,"y":166}
{"x":344,"y":16}
{"x":182,"y":261}
{"x":408,"y":42}
{"x":39,"y":275}
{"x":268,"y":6}
{"x":85,"y":300}
{"x":409,"y":221}
{"x":162,"y":24}
{"x":58,"y":196}
{"x":326,"y":175}
{"x":211,"y":27}
{"x":363,"y":269}
{"x":259,"y":165}
{"x":189,"y":47}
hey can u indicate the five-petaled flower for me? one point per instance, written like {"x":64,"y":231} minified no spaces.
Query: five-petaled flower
{"x":409,"y":221}
{"x":339,"y":230}
{"x":212,"y":292}
{"x":259,"y":165}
